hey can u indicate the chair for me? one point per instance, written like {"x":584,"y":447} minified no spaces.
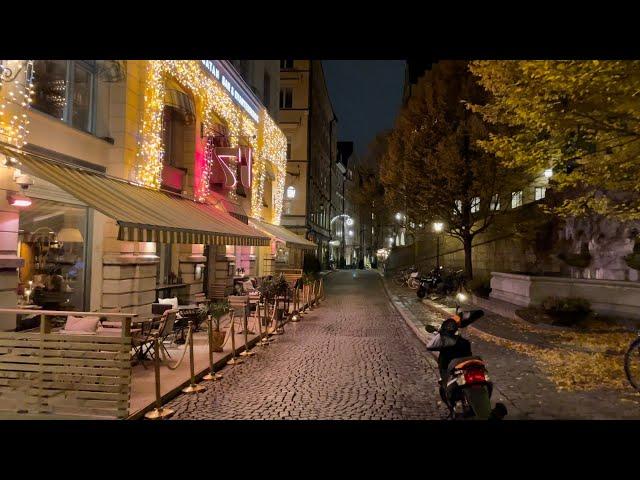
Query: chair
{"x":143,"y":342}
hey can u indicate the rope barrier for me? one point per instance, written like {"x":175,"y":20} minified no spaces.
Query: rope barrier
{"x":186,"y":346}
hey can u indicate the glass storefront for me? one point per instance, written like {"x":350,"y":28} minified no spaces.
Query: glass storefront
{"x":52,"y":241}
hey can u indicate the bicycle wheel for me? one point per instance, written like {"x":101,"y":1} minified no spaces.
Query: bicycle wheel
{"x":413,"y":283}
{"x":399,"y":280}
{"x":632,"y":364}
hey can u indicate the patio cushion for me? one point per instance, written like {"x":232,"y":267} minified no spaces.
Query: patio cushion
{"x":81,"y":324}
{"x":170,"y":301}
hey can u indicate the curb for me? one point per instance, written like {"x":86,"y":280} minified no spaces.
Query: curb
{"x":409,"y":318}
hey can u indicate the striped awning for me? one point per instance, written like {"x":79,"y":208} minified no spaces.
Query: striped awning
{"x":144,"y":214}
{"x":283,"y":235}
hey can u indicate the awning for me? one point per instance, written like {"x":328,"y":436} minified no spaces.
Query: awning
{"x":232,"y":208}
{"x":144,"y":214}
{"x":283,"y":235}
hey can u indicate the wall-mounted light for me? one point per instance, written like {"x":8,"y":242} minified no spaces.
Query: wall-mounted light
{"x":291,"y":192}
{"x":17,"y":200}
{"x":349,"y":221}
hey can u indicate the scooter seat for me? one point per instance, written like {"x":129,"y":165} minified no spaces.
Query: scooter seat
{"x":458,"y":363}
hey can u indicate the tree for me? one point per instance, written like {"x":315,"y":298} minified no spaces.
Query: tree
{"x":434,"y":163}
{"x":580,"y":118}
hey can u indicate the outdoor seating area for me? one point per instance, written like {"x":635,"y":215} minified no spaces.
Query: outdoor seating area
{"x":119,"y":372}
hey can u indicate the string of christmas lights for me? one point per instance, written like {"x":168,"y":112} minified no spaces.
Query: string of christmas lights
{"x":15,"y":101}
{"x":212,"y":101}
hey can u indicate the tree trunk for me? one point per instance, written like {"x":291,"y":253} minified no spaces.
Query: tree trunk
{"x":468,"y":264}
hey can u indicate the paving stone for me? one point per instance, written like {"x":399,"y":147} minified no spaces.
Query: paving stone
{"x":353,"y":357}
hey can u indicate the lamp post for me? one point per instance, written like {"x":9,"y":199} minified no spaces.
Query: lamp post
{"x":437,"y":227}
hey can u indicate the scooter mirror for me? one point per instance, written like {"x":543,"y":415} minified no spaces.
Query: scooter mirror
{"x":430,"y":328}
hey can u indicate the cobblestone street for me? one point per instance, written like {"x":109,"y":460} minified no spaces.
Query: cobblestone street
{"x":520,"y":382}
{"x":351,"y":358}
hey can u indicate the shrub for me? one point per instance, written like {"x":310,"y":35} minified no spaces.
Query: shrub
{"x":568,"y":310}
{"x":568,"y":304}
{"x":480,"y":285}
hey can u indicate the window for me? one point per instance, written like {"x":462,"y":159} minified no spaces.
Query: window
{"x":53,"y":243}
{"x":475,"y":204}
{"x":267,"y":90}
{"x":286,"y":64}
{"x":65,"y":89}
{"x":540,"y":193}
{"x":288,"y":148}
{"x":516,"y":199}
{"x":291,"y":192}
{"x":495,"y":202}
{"x":286,"y":97}
{"x":458,"y":208}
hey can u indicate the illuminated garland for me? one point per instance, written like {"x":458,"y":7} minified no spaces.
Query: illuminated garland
{"x":15,"y":102}
{"x":267,"y":141}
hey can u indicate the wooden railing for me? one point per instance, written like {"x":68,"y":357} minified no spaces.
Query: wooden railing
{"x":55,"y":375}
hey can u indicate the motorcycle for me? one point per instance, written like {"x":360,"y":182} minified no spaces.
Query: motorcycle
{"x":464,"y":384}
{"x":440,"y":282}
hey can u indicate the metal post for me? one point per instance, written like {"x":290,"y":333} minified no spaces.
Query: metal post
{"x":234,"y":360}
{"x":159,"y":412}
{"x":438,"y":252}
{"x":212,"y":375}
{"x":193,"y":387}
{"x":246,"y":352}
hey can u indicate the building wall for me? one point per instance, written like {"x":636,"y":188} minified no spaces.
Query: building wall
{"x":123,"y":274}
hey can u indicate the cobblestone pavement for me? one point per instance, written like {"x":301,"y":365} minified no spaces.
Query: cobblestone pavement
{"x":351,"y":358}
{"x":522,"y":385}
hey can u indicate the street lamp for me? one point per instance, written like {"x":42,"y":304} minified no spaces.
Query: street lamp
{"x":398,"y":216}
{"x":437,"y":227}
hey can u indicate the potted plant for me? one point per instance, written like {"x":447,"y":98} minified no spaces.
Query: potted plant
{"x":216,"y":309}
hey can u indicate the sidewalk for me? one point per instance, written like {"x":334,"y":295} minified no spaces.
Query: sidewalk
{"x":537,"y":373}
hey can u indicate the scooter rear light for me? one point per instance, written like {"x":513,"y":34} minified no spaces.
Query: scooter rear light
{"x":475,"y":375}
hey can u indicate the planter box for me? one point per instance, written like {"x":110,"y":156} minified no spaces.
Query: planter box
{"x":607,"y":297}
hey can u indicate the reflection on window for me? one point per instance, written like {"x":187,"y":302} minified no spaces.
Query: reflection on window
{"x":540,"y":193}
{"x":65,"y":89}
{"x":52,"y":244}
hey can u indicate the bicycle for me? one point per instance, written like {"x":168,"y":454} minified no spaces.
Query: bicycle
{"x":632,"y":363}
{"x":403,"y":276}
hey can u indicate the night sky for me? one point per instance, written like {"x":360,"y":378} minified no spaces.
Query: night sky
{"x":366,"y":96}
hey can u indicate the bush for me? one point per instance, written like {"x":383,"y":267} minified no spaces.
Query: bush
{"x":568,"y":304}
{"x":480,"y":285}
{"x":568,"y":310}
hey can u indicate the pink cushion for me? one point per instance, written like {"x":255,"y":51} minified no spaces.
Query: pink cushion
{"x":82,"y":324}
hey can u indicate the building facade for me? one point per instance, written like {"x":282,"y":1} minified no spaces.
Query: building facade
{"x":170,"y":160}
{"x":307,"y":118}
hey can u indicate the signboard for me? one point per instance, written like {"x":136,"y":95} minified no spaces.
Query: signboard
{"x":235,"y":86}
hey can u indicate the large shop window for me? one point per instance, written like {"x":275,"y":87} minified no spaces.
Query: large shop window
{"x":65,"y":89}
{"x":52,"y":243}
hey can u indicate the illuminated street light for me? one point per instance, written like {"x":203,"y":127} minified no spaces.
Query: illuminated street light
{"x":398,"y":216}
{"x":438,"y":226}
{"x":548,"y":172}
{"x":349,"y":221}
{"x":351,"y":233}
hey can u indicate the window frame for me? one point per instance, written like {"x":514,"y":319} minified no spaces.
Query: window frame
{"x":494,"y":205}
{"x":536,"y":190}
{"x":514,"y":195}
{"x":283,"y":97}
{"x":67,"y":114}
{"x":475,"y":204}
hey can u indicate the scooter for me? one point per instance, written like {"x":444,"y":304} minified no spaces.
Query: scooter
{"x":465,"y":387}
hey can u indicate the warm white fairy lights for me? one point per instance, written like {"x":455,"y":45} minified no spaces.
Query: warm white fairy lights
{"x":213,"y":102}
{"x":16,"y":90}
